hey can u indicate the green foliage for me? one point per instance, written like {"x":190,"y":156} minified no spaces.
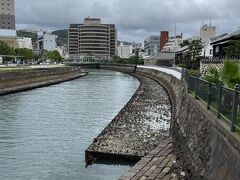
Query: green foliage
{"x":195,"y":49}
{"x":192,"y":58}
{"x":26,"y":54}
{"x":62,"y":37}
{"x":230,"y":73}
{"x":214,"y":75}
{"x":233,"y":47}
{"x":187,"y":60}
{"x":54,"y":55}
{"x":21,"y":33}
{"x":182,"y":65}
{"x":194,"y":73}
{"x":5,"y":49}
{"x":130,"y":60}
{"x":185,"y":43}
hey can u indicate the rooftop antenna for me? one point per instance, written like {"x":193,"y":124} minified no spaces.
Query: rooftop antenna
{"x":175,"y":28}
{"x":210,"y":24}
{"x":174,"y":50}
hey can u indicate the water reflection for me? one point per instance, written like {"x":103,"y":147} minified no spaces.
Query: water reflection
{"x":44,"y":132}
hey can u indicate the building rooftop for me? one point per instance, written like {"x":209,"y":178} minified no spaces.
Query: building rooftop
{"x":227,"y":36}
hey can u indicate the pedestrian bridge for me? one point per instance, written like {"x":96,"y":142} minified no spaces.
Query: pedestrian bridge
{"x":86,"y":60}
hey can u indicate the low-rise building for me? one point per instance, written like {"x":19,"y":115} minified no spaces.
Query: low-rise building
{"x":9,"y":37}
{"x":25,"y":42}
{"x":160,"y":59}
{"x":173,"y":44}
{"x":46,"y":41}
{"x":124,"y":51}
{"x":220,"y":43}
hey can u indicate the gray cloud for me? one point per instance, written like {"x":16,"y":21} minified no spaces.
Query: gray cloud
{"x":135,"y":19}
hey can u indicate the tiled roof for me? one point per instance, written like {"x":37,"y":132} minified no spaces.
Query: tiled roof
{"x":227,"y":36}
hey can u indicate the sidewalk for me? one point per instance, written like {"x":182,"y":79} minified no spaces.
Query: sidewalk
{"x":156,"y":165}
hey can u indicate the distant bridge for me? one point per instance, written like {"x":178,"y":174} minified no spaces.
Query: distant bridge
{"x":81,"y":60}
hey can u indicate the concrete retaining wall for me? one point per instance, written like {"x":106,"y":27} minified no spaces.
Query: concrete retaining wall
{"x":13,"y":82}
{"x":206,"y":146}
{"x":204,"y":143}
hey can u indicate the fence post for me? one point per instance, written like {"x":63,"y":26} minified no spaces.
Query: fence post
{"x":219,"y":99}
{"x":209,"y":95}
{"x":196,"y":86}
{"x":235,"y":107}
{"x":183,"y":77}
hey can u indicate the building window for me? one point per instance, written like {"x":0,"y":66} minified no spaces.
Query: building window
{"x":211,"y":51}
{"x":217,"y":49}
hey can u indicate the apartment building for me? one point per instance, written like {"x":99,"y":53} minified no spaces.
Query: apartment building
{"x":92,"y":38}
{"x":7,"y":23}
{"x":7,"y":14}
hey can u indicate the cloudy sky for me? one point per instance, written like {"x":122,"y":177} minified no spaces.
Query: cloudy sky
{"x":135,"y":19}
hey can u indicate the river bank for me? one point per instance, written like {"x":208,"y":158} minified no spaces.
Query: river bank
{"x":20,"y":80}
{"x":138,"y":128}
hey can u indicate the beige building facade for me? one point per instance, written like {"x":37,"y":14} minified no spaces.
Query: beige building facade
{"x":92,"y":38}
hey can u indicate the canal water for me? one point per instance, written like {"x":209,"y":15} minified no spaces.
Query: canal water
{"x":44,"y":132}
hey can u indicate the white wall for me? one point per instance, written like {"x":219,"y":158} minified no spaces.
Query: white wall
{"x":124,"y":51}
{"x":49,"y":42}
{"x":25,"y":42}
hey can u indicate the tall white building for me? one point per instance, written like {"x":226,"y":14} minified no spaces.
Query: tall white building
{"x":46,"y":41}
{"x":124,"y":51}
{"x":25,"y":42}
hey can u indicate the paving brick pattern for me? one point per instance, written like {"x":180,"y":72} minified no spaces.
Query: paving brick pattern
{"x":156,"y":165}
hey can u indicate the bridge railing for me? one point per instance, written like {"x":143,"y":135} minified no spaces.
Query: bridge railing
{"x":225,"y":102}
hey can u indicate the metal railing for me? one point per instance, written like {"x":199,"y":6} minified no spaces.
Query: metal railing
{"x":224,"y":101}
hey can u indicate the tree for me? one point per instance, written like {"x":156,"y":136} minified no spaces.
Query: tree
{"x":32,"y":35}
{"x":5,"y":49}
{"x":185,"y":43}
{"x":62,"y":37}
{"x":54,"y":55}
{"x":232,"y":49}
{"x":230,"y":73}
{"x":26,"y":54}
{"x":195,"y":49}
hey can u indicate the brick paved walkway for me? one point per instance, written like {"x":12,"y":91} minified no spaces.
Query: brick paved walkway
{"x":156,"y":165}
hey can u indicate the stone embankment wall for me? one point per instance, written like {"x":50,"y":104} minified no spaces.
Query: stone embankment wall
{"x":204,"y":66}
{"x":204,"y":143}
{"x":16,"y":81}
{"x":140,"y":126}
